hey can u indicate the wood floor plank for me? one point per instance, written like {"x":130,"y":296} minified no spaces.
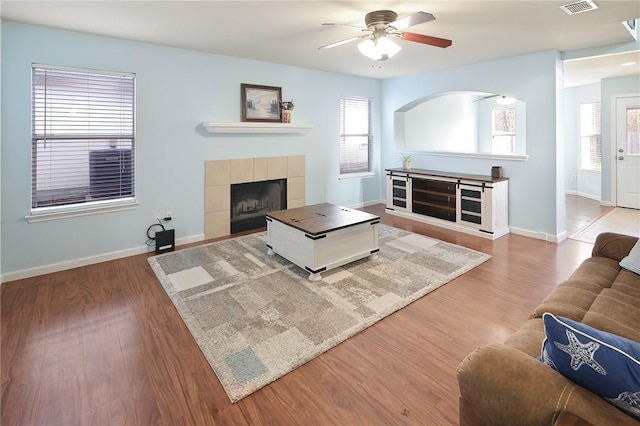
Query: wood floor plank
{"x":210,"y":402}
{"x":369,"y":366}
{"x":60,"y":403}
{"x":22,"y":373}
{"x":292,"y":399}
{"x":63,"y":355}
{"x":104,"y":345}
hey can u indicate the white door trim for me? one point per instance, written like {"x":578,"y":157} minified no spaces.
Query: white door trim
{"x":613,"y":145}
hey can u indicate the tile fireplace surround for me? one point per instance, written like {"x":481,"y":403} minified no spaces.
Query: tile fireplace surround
{"x":219,"y":175}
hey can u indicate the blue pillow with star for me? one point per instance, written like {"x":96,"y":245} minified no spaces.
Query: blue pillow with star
{"x":604,"y":363}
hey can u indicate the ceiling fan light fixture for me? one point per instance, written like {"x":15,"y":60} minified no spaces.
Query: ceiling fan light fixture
{"x":378,"y":49}
{"x":368,"y":48}
{"x":505,"y":100}
{"x":387,"y":47}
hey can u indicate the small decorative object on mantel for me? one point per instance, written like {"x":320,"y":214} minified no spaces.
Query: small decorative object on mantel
{"x":406,"y":161}
{"x":287,"y":107}
{"x":261,"y":103}
{"x":496,"y":172}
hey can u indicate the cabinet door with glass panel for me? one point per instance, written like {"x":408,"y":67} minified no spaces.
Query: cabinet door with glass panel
{"x":471,"y":199}
{"x":398,"y":191}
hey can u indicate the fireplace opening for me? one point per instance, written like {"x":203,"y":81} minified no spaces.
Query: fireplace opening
{"x":250,"y":202}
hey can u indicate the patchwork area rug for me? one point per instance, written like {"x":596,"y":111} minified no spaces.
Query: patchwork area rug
{"x":257,"y":317}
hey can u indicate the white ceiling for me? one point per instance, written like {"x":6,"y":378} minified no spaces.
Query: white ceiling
{"x":289,"y":32}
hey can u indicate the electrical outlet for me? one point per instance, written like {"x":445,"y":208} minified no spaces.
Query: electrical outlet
{"x":157,"y":216}
{"x":322,"y":193}
{"x":168,"y":215}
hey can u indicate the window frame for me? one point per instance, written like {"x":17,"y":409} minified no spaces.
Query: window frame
{"x":343,"y":134}
{"x":495,"y":133}
{"x":592,"y":166}
{"x":65,"y":132}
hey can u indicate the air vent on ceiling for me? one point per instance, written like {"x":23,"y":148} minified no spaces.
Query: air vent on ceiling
{"x":579,"y":7}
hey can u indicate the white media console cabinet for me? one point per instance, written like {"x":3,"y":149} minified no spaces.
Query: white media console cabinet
{"x":473,"y":204}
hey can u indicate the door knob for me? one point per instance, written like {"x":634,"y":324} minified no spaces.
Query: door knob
{"x":621,"y":158}
{"x":621,"y":150}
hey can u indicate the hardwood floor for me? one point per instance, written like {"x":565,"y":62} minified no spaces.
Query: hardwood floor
{"x":103,"y":344}
{"x":581,"y":212}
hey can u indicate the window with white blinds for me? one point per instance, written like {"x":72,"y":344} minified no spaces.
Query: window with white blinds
{"x":590,"y":137}
{"x":83,"y":138}
{"x":356,"y":136}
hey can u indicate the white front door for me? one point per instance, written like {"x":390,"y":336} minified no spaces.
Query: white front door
{"x":628,"y":152}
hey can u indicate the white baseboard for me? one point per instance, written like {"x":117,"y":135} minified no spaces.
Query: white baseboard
{"x":89,"y":260}
{"x":589,"y":196}
{"x":539,"y":235}
{"x":561,"y":237}
{"x":583,"y":194}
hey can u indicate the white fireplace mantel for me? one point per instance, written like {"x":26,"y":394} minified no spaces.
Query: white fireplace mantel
{"x":255,"y":128}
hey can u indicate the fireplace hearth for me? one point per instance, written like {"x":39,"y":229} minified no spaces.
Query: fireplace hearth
{"x":250,"y":202}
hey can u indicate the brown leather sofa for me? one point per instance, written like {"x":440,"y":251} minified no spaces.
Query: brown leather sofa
{"x":504,"y":384}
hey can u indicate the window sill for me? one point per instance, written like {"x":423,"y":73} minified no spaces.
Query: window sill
{"x":78,"y":212}
{"x":509,"y":157}
{"x":356,"y":176}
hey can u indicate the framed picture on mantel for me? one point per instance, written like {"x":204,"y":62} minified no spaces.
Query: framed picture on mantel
{"x":261,"y":103}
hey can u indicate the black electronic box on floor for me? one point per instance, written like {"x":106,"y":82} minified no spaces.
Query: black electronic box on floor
{"x":165,"y":241}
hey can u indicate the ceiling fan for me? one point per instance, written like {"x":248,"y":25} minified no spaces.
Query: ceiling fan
{"x":501,"y":99}
{"x":381,"y":27}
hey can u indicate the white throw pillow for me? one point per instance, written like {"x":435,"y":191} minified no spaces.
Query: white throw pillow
{"x":632,"y":261}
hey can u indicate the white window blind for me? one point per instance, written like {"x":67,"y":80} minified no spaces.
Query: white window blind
{"x":356,"y":136}
{"x":590,"y":138}
{"x":83,"y":137}
{"x":503,"y":131}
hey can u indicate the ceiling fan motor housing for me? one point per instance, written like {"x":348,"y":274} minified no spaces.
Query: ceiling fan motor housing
{"x":380,"y":18}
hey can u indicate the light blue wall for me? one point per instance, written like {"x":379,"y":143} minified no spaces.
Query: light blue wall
{"x":560,"y":205}
{"x":176,"y":90}
{"x":571,"y":145}
{"x":534,"y":204}
{"x":611,"y":87}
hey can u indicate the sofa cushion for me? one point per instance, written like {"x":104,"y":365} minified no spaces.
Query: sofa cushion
{"x":628,"y":283}
{"x":615,"y":312}
{"x":568,"y":301}
{"x":604,"y":363}
{"x":574,"y":297}
{"x":597,"y":270}
{"x":632,"y":260}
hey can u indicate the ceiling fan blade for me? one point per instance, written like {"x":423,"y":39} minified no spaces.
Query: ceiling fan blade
{"x":482,"y":98}
{"x":339,"y":43}
{"x":411,"y":20}
{"x":425,"y":39}
{"x":334,"y":24}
